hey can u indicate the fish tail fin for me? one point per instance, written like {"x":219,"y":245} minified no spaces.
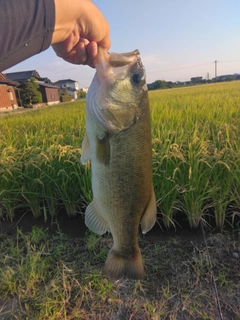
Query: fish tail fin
{"x":117,"y":267}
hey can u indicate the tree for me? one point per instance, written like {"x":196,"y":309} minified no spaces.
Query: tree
{"x":81,"y":94}
{"x":29,"y":92}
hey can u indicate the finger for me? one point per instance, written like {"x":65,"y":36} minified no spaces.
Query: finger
{"x":92,"y":50}
{"x":85,"y":41}
{"x":78,"y":55}
{"x":81,"y":53}
{"x":105,"y":44}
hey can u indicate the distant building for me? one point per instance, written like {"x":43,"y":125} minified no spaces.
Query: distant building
{"x":84,"y":89}
{"x":8,"y":99}
{"x":196,"y":79}
{"x":69,"y":85}
{"x":228,"y":77}
{"x":50,"y":94}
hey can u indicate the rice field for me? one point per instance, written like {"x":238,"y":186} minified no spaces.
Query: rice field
{"x":196,"y":158}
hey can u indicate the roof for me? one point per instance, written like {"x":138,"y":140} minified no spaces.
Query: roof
{"x":46,"y":85}
{"x":2,"y":77}
{"x":65,"y":80}
{"x":4,"y":80}
{"x":22,"y":75}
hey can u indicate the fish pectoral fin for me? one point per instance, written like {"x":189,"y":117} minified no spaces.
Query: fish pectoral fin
{"x":86,"y":155}
{"x":149,"y":217}
{"x":103,"y":149}
{"x":94,"y":220}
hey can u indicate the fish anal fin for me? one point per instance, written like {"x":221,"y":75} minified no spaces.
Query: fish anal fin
{"x":94,"y":220}
{"x":149,"y":217}
{"x":117,"y":267}
{"x":86,"y":155}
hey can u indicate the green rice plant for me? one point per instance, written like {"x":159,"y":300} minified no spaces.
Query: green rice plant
{"x":196,"y":147}
{"x":32,"y":188}
{"x":167,"y":203}
{"x":195,"y":191}
{"x":221,"y":181}
{"x":196,"y":122}
{"x":70,"y":181}
{"x":49,"y":177}
{"x":235,"y":193}
{"x":10,"y":182}
{"x":194,"y":175}
{"x":166,"y":188}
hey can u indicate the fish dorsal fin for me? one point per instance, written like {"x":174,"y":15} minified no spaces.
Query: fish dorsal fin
{"x":86,"y":155}
{"x":94,"y":220}
{"x":149,"y":217}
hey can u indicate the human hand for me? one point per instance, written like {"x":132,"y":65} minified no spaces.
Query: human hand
{"x":79,"y":29}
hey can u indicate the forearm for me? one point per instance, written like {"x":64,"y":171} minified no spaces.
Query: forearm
{"x":26,"y":28}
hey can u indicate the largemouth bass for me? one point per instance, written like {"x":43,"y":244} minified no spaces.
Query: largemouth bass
{"x":118,"y":143}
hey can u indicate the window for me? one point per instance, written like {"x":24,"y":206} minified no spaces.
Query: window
{"x":10,"y":94}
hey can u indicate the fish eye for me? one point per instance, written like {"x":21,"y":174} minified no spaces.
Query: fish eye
{"x":137,"y":78}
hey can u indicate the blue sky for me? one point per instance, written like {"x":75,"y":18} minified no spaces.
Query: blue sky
{"x":177,"y":39}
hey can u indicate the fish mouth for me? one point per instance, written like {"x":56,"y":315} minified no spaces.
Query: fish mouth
{"x":116,"y":98}
{"x":121,"y":63}
{"x":122,"y":59}
{"x":116,"y":64}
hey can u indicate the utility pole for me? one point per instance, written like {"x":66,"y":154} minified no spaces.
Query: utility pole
{"x":207,"y":77}
{"x":215,"y":70}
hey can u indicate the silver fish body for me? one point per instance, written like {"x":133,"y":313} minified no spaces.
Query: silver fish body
{"x":118,"y":143}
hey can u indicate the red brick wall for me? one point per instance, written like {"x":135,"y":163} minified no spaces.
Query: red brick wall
{"x":7,"y":96}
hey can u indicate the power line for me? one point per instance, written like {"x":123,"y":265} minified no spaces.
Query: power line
{"x":180,"y":68}
{"x":195,"y":65}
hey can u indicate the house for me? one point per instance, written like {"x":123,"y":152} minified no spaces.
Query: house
{"x":23,"y":76}
{"x":8,"y":99}
{"x":227,"y":77}
{"x":72,"y":86}
{"x":50,"y":93}
{"x":85,"y":89}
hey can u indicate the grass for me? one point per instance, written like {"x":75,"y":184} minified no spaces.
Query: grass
{"x":55,"y":276}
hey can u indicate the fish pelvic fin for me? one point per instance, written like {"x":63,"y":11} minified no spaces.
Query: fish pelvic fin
{"x":94,"y":220}
{"x":149,"y":217}
{"x":117,"y":266}
{"x":85,"y":150}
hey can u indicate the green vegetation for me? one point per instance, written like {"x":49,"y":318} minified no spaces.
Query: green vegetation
{"x":196,"y":152}
{"x":29,"y":93}
{"x":81,"y":94}
{"x":66,"y":97}
{"x":162,"y":84}
{"x":40,"y":166}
